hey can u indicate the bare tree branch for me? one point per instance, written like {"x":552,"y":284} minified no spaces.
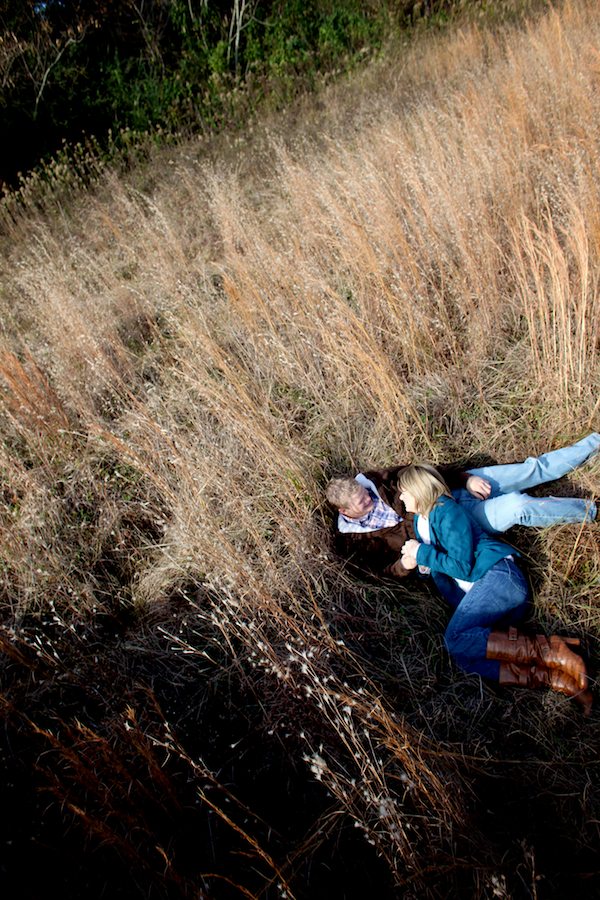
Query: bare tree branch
{"x":70,"y":40}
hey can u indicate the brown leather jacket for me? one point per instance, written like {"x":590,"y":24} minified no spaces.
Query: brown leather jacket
{"x":378,"y":552}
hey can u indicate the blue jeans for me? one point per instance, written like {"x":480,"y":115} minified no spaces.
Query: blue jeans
{"x":496,"y":601}
{"x":508,"y":505}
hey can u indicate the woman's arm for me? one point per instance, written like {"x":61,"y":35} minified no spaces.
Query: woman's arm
{"x":452,"y":550}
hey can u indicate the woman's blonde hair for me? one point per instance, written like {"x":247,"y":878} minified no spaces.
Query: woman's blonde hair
{"x":426,"y":485}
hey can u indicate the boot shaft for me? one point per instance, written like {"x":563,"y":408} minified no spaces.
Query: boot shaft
{"x":554,"y":653}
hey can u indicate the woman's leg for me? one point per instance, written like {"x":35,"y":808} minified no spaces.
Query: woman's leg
{"x":503,"y":593}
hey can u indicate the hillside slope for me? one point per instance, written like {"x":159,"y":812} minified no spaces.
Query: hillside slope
{"x":199,"y":700}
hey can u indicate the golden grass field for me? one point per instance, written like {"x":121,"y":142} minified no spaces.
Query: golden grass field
{"x":406,"y":266}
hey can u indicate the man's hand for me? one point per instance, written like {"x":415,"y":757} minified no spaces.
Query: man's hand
{"x":478,"y":487}
{"x":409,"y":554}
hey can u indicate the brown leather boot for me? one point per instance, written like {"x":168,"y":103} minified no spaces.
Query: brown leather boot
{"x":550,"y":652}
{"x":535,"y":676}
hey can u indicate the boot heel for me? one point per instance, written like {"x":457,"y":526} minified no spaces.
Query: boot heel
{"x":584,"y":699}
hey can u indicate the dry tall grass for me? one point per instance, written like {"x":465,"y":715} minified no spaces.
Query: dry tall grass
{"x":189,"y":368}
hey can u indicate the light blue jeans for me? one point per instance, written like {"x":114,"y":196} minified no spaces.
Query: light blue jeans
{"x":496,"y":601}
{"x":508,"y":505}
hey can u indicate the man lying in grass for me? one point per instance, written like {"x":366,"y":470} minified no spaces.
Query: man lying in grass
{"x":374,"y":526}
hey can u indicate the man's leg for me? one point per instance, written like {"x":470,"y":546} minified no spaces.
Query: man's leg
{"x":539,"y":469}
{"x":500,"y":513}
{"x":507,"y":506}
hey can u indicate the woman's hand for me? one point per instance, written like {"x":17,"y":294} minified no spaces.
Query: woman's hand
{"x":478,"y":487}
{"x":409,"y":554}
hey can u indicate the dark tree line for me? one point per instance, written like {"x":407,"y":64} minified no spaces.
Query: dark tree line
{"x":70,"y":68}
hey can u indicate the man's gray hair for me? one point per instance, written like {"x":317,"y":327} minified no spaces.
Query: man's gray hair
{"x":340,"y":491}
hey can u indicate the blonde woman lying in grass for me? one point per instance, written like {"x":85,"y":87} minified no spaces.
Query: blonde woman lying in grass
{"x":480,"y":578}
{"x":376,"y":531}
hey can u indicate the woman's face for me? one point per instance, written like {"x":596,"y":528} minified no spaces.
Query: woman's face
{"x":410,"y":504}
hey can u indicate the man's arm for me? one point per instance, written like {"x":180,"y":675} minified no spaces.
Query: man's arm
{"x":453,"y":476}
{"x":376,"y":553}
{"x":398,"y":569}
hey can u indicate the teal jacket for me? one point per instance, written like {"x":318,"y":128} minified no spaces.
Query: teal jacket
{"x":459,"y":547}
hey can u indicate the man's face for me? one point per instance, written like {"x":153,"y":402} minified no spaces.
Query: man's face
{"x":360,"y":504}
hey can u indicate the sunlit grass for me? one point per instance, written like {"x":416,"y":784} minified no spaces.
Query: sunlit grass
{"x":201,"y":360}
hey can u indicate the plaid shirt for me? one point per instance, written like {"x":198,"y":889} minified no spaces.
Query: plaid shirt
{"x":381,"y":516}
